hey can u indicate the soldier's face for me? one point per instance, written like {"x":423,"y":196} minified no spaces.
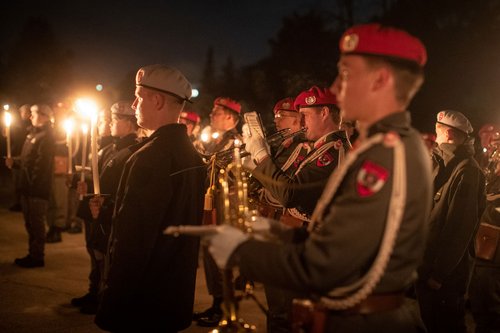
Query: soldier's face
{"x":219,"y":118}
{"x":144,"y":108}
{"x":352,"y":86}
{"x":103,"y":126}
{"x":120,"y":126}
{"x":287,"y":119}
{"x":38,"y":119}
{"x":312,"y":120}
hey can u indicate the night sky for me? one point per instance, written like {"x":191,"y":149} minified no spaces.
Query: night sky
{"x":111,"y":38}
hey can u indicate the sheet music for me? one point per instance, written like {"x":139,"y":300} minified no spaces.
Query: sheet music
{"x":252,"y":119}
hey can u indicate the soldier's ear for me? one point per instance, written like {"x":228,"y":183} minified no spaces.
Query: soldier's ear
{"x":382,"y":77}
{"x":325,"y":112}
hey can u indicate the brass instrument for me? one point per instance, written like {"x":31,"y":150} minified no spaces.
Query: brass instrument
{"x":491,"y":153}
{"x":232,"y":209}
{"x":492,"y":168}
{"x":224,"y":157}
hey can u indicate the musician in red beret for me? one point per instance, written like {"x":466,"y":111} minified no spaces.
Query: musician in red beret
{"x":367,"y":232}
{"x":192,"y":121}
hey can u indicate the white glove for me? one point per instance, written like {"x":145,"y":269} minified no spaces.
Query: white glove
{"x":248,"y":163}
{"x":223,"y":243}
{"x":257,"y":147}
{"x":267,"y":229}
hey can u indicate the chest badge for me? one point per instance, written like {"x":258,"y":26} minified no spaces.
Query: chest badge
{"x":371,"y":178}
{"x":324,"y":160}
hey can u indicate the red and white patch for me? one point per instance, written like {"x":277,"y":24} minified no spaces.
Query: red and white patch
{"x":298,"y":160}
{"x":324,"y":160}
{"x":371,"y":178}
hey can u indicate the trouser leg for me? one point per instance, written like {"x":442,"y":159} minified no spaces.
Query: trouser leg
{"x":59,"y":205}
{"x":442,"y":310}
{"x":95,"y":273}
{"x":35,"y":225}
{"x":213,"y":274}
{"x":279,"y":302}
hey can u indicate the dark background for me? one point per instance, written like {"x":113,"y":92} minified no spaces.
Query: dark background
{"x":254,"y":51}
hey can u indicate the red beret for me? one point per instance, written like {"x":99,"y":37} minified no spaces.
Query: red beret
{"x":384,"y":41}
{"x":286,"y":104}
{"x":228,"y":103}
{"x":314,"y":97}
{"x":191,"y":116}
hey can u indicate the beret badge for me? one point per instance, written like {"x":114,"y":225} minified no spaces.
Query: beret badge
{"x":310,"y":100}
{"x":286,"y":105}
{"x":350,"y":42}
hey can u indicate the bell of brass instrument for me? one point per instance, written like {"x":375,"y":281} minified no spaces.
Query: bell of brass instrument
{"x":234,"y":209}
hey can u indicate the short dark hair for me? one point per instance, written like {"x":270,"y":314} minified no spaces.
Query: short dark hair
{"x":408,"y":74}
{"x":334,"y":111}
{"x":234,"y":115}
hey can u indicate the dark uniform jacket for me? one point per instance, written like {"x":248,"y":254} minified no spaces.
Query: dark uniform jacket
{"x":286,"y":149}
{"x":491,"y":216}
{"x":302,"y":190}
{"x":343,"y":248}
{"x":458,"y":204}
{"x":111,"y":162}
{"x":150,"y":282}
{"x":36,"y":163}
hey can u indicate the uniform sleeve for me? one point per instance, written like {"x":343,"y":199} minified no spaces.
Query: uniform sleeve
{"x":335,"y":254}
{"x":460,"y":225}
{"x":302,"y":190}
{"x":138,"y":222}
{"x":44,"y":162}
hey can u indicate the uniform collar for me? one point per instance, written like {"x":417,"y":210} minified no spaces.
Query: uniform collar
{"x":331,"y":136}
{"x":399,"y":122}
{"x":170,"y":130}
{"x":448,"y":151}
{"x":126,"y":141}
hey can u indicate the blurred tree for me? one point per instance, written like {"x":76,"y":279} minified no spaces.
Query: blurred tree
{"x":38,"y":68}
{"x":208,"y":82}
{"x":303,"y":53}
{"x":463,"y":68}
{"x":228,"y":84}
